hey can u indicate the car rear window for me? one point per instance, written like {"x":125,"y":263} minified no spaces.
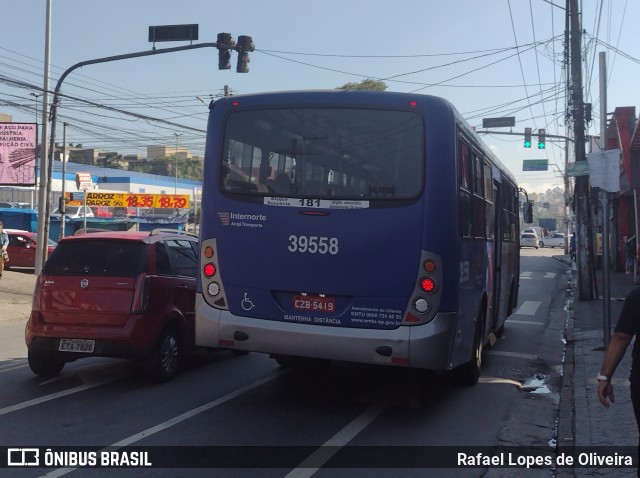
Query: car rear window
{"x":97,"y":258}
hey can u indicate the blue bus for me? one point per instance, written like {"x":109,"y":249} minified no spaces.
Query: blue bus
{"x":361,"y":226}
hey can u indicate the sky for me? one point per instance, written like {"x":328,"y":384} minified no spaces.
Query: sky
{"x":490,"y":58}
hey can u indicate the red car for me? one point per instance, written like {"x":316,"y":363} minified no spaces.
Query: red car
{"x":22,"y":248}
{"x":115,"y":294}
{"x":101,"y":211}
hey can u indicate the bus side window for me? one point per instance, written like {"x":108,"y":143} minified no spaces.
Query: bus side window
{"x":464,"y":191}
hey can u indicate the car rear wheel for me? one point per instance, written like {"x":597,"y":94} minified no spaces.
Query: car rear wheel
{"x":166,"y":357}
{"x":45,"y":365}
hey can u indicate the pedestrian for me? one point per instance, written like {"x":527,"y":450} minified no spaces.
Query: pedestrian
{"x":572,"y":247}
{"x":4,"y":243}
{"x":630,"y":252}
{"x":627,"y":327}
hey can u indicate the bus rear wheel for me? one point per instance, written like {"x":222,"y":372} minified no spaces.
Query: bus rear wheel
{"x":468,"y":373}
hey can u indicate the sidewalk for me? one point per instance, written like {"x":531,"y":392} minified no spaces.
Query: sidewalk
{"x":16,"y":293}
{"x":583,"y":421}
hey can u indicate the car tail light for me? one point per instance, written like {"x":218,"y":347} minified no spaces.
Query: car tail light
{"x":140,"y":295}
{"x":37,"y":291}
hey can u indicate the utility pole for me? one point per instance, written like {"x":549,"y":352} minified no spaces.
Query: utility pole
{"x":606,"y":273}
{"x":584,"y":239}
{"x":43,"y":198}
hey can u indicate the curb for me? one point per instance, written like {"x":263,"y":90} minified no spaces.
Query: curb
{"x":566,"y":412}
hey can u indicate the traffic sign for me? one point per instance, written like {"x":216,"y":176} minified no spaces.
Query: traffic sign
{"x":499,"y":122}
{"x":535,"y":165}
{"x":83,"y":181}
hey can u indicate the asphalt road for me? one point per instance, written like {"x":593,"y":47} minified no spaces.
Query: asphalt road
{"x":222,"y":400}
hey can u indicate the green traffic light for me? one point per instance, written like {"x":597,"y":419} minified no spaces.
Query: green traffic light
{"x":527,"y":144}
{"x":541,"y":145}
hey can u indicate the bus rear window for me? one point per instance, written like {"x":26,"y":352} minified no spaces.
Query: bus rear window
{"x":324,"y":153}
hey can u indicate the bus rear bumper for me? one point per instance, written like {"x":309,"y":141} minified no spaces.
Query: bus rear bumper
{"x":425,"y":346}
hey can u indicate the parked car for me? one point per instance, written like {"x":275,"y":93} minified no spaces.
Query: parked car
{"x":20,"y":205}
{"x":115,"y":294}
{"x":529,"y":239}
{"x":22,"y":248}
{"x":537,"y":231}
{"x":101,"y":211}
{"x":74,"y":211}
{"x":555,"y":239}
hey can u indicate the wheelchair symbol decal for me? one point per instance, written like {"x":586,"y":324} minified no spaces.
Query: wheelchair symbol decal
{"x":246,"y":303}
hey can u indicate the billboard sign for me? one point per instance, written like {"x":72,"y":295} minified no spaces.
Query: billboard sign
{"x":18,"y":154}
{"x":110,"y":199}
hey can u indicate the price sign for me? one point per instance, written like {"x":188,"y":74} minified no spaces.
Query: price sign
{"x":165,"y":201}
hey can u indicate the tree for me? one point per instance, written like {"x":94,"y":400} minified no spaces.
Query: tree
{"x":368,"y":84}
{"x":113,"y":160}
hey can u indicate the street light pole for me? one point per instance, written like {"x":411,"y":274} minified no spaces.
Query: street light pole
{"x":34,"y":194}
{"x":175,"y":189}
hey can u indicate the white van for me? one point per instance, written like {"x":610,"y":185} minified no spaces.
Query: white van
{"x":538,"y":231}
{"x":75,"y":211}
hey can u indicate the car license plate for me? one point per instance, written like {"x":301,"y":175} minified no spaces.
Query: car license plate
{"x":314,"y":303}
{"x":77,"y":345}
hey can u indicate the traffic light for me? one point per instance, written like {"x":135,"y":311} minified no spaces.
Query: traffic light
{"x":245,"y":45}
{"x":587,"y":112}
{"x":541,"y":138}
{"x":224,"y":42}
{"x":527,"y":137}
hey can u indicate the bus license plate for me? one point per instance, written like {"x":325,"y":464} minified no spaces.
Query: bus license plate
{"x":77,"y":345}
{"x":314,"y":303}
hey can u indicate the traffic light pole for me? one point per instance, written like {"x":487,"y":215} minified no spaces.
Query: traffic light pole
{"x":44,"y":210}
{"x":553,"y":136}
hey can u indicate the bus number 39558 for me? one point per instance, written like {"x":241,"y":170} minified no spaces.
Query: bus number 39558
{"x":313,"y":244}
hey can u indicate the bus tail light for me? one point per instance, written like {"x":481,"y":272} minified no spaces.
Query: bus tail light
{"x":212,"y":288}
{"x":428,"y":285}
{"x":209,"y":270}
{"x":425,"y":299}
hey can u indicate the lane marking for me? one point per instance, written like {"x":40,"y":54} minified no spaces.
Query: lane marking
{"x":528,"y":307}
{"x":512,"y":354}
{"x":110,"y":375}
{"x":12,"y":364}
{"x":550,"y":275}
{"x":525,"y":322}
{"x":526,"y":275}
{"x":327,"y":450}
{"x":52,"y":396}
{"x":172,"y":421}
